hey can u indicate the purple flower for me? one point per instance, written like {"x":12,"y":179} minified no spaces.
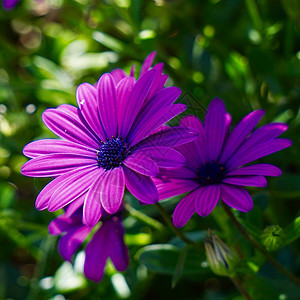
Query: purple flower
{"x":114,"y":139}
{"x":107,"y":242}
{"x":9,"y":4}
{"x":214,"y":163}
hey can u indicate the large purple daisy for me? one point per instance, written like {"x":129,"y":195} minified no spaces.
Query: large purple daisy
{"x":107,"y":242}
{"x":115,"y":138}
{"x":214,"y":163}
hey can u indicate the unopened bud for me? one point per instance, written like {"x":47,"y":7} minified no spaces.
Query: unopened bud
{"x":221,"y":258}
{"x":273,"y":237}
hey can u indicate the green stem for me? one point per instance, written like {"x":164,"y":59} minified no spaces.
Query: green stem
{"x":144,"y":218}
{"x":168,"y":220}
{"x":254,"y":15}
{"x":240,"y":287}
{"x":260,"y":248}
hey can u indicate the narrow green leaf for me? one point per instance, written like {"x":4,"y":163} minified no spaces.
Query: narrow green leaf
{"x":180,"y":266}
{"x":292,"y":231}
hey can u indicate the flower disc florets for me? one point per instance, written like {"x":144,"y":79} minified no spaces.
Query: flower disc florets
{"x":211,"y":173}
{"x":112,"y":153}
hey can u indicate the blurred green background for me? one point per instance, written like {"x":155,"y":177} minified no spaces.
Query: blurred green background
{"x":245,"y":52}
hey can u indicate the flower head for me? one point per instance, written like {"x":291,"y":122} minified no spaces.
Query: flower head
{"x":113,"y":139}
{"x":9,"y":4}
{"x":107,"y":242}
{"x":215,"y":163}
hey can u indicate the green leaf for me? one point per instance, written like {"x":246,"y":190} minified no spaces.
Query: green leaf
{"x":292,"y":231}
{"x":163,"y":258}
{"x":180,"y":265}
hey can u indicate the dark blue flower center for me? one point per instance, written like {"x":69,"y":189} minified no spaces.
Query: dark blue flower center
{"x":211,"y":173}
{"x":112,"y":153}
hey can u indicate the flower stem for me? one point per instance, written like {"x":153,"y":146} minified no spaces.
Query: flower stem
{"x":240,"y":287}
{"x":168,"y":220}
{"x":144,"y":218}
{"x":255,"y":244}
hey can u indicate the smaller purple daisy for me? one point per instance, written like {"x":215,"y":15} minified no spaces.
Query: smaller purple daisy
{"x":214,"y":163}
{"x":9,"y":4}
{"x":107,"y":241}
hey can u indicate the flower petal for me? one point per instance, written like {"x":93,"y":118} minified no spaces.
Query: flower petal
{"x":236,"y":197}
{"x":184,"y":209}
{"x":107,"y":104}
{"x":240,"y":133}
{"x":169,"y":137}
{"x":75,"y":205}
{"x":112,"y":185}
{"x":61,"y":224}
{"x":206,"y":199}
{"x":164,"y":157}
{"x":70,"y":242}
{"x":55,"y":164}
{"x":215,"y":128}
{"x":258,"y":169}
{"x":92,"y":209}
{"x":259,"y":181}
{"x":194,"y":152}
{"x":140,"y":186}
{"x":86,"y":96}
{"x":147,"y":63}
{"x":45,"y":194}
{"x":142,"y":164}
{"x":173,"y":187}
{"x":118,"y":75}
{"x":124,"y":89}
{"x":158,"y":82}
{"x":150,"y":125}
{"x":96,"y":254}
{"x":261,"y":150}
{"x":164,"y":97}
{"x":262,"y":135}
{"x":135,"y":101}
{"x":119,"y":252}
{"x":72,"y":188}
{"x":68,"y":127}
{"x":178,"y":173}
{"x":54,"y":146}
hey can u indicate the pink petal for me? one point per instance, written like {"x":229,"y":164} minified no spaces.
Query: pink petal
{"x":124,"y":89}
{"x":92,"y":209}
{"x":68,"y":127}
{"x":55,"y":164}
{"x":206,"y":199}
{"x":86,"y":96}
{"x":184,"y":209}
{"x":107,"y":104}
{"x":240,"y":133}
{"x":169,"y":137}
{"x":164,"y":157}
{"x":194,"y":152}
{"x":155,"y":121}
{"x":72,"y":188}
{"x":147,"y":63}
{"x":257,"y":169}
{"x":135,"y":101}
{"x":215,"y":128}
{"x":142,"y":164}
{"x":259,"y":181}
{"x":54,"y":146}
{"x":236,"y":197}
{"x":112,"y":189}
{"x":140,"y":186}
{"x":173,"y":187}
